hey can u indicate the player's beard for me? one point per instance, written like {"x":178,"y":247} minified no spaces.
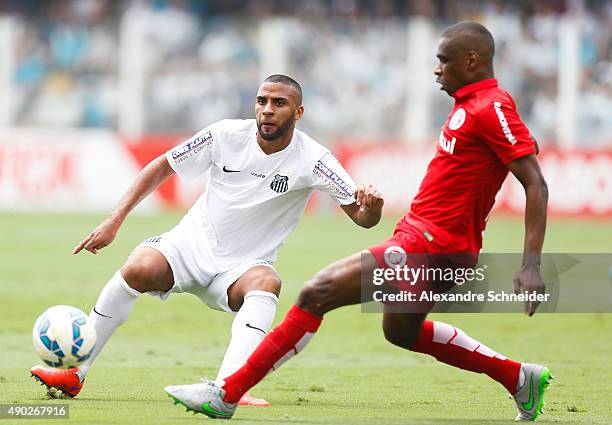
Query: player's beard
{"x":280,"y":132}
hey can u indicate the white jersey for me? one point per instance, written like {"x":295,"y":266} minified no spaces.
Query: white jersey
{"x":254,"y":200}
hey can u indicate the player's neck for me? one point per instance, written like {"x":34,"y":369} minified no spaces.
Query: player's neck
{"x":485,"y":74}
{"x":276,"y":145}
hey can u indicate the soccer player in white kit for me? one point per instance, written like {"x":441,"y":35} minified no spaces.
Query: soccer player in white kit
{"x":262,"y":173}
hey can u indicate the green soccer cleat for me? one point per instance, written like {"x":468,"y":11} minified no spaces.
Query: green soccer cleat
{"x":529,"y":397}
{"x":205,"y":397}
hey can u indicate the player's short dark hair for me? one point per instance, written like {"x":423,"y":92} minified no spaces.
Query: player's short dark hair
{"x":284,"y":79}
{"x":475,"y":30}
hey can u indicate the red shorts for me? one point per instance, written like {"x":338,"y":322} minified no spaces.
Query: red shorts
{"x":417,"y":261}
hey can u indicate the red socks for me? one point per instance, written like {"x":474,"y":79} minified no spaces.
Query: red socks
{"x":440,"y":340}
{"x":282,"y":343}
{"x":452,"y":346}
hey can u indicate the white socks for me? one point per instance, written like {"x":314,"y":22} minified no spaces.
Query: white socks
{"x":250,"y":325}
{"x":111,"y":310}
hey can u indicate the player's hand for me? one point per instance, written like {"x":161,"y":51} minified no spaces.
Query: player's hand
{"x":102,"y":236}
{"x":369,"y":198}
{"x":529,"y":280}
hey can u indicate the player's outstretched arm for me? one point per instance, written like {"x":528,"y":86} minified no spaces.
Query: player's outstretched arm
{"x":154,"y":174}
{"x":528,"y":278}
{"x":367,"y":208}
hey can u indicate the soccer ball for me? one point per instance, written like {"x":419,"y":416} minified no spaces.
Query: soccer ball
{"x":63,"y":337}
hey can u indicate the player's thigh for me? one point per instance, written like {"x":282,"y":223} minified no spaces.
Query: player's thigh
{"x":146,"y":269}
{"x":402,"y":329}
{"x":257,"y":278}
{"x":336,"y":285}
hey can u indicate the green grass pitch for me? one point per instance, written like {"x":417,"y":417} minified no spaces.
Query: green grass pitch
{"x":348,"y":374}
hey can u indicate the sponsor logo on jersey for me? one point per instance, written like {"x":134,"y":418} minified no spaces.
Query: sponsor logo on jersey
{"x":334,"y":179}
{"x":227,"y":170}
{"x":193,"y":146}
{"x":457,"y":119}
{"x":395,"y":256}
{"x":504,"y":123}
{"x":447,"y":145}
{"x":260,"y":175}
{"x":280,"y":183}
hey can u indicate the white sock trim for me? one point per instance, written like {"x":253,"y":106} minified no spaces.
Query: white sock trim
{"x":131,"y":291}
{"x":258,"y":293}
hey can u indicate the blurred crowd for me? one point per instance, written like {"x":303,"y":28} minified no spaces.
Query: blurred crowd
{"x":204,"y":61}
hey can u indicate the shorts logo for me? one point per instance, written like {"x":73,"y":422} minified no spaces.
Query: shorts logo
{"x":154,"y":239}
{"x":395,"y":256}
{"x":280,"y":183}
{"x":457,"y":119}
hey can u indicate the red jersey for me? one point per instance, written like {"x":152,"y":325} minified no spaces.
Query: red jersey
{"x":481,"y":136}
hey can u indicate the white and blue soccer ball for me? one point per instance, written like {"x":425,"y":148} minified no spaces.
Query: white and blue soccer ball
{"x":63,"y":337}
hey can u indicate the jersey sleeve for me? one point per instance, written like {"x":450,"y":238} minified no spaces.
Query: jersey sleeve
{"x":330,"y":177}
{"x":501,"y":128}
{"x":194,"y":156}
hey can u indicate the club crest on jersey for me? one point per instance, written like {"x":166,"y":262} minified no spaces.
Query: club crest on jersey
{"x":280,"y":183}
{"x":457,"y":119}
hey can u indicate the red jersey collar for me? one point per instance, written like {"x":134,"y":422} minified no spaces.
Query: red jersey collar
{"x":474,"y":87}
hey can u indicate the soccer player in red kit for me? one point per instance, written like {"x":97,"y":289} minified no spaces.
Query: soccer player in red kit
{"x":481,"y":141}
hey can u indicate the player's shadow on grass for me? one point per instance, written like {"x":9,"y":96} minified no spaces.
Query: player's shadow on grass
{"x":367,"y":421}
{"x":276,"y":417}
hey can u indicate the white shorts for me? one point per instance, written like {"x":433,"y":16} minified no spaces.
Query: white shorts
{"x":195,"y":268}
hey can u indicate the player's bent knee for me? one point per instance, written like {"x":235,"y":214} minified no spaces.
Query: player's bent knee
{"x":133,"y":275}
{"x":144,"y":273}
{"x":314,"y":296}
{"x":138,"y":276}
{"x":258,"y":278}
{"x":269,"y":282}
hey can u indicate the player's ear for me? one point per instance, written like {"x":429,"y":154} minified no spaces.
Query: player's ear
{"x":472,"y":59}
{"x":299,"y":111}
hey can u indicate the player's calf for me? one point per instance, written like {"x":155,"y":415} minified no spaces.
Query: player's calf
{"x":403,"y":329}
